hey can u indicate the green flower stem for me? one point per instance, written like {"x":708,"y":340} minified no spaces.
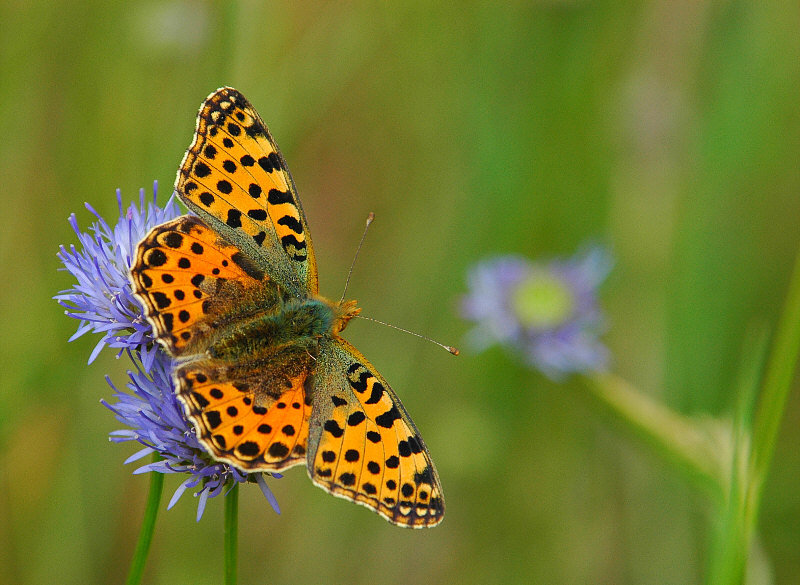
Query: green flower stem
{"x":693,"y":447}
{"x":148,"y":526}
{"x":231,"y":534}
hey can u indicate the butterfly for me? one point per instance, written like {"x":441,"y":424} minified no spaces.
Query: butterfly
{"x":261,"y":368}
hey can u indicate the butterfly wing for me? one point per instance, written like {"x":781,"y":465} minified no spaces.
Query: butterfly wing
{"x":247,"y":429}
{"x":251,"y":412}
{"x":234,"y":177}
{"x":362,"y":444}
{"x":187,"y":277}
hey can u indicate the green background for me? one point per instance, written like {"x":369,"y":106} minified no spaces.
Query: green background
{"x":669,"y":130}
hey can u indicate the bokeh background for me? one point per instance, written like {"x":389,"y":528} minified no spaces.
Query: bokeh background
{"x":669,"y":130}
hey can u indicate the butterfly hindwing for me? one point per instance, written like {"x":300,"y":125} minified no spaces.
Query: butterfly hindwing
{"x":235,"y":178}
{"x":247,"y":429}
{"x":364,"y":447}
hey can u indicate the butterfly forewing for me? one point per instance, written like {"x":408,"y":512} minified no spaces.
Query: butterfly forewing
{"x":235,"y":178}
{"x":364,"y":447}
{"x":185,"y":274}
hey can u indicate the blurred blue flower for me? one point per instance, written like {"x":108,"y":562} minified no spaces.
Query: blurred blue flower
{"x":545,"y":311}
{"x":103,"y":302}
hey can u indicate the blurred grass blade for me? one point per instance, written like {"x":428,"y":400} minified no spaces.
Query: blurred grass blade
{"x":734,"y":525}
{"x":778,"y":378}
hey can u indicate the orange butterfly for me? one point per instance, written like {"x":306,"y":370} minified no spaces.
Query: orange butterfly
{"x":261,"y":370}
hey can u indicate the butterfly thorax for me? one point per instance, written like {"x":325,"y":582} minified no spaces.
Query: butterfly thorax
{"x":294,"y":324}
{"x":274,"y":348}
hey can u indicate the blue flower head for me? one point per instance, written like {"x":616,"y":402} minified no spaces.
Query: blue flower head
{"x":545,"y":311}
{"x":103,"y":302}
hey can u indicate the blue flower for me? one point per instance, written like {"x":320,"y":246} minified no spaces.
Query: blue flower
{"x":545,"y":311}
{"x":103,"y":302}
{"x":102,"y":298}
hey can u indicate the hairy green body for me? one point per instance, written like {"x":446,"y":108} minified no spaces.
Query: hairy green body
{"x":294,"y":322}
{"x":268,"y":339}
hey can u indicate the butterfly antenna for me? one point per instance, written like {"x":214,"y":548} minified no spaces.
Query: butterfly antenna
{"x":370,"y":219}
{"x":449,"y":348}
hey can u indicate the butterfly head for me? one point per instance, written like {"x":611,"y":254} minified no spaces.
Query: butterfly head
{"x":343,"y":312}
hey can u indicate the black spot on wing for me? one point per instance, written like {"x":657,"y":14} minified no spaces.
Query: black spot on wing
{"x":276,"y":197}
{"x":201,"y":170}
{"x":424,"y":476}
{"x":270,"y":163}
{"x":333,"y":428}
{"x":200,"y":400}
{"x":234,"y":218}
{"x":347,"y":479}
{"x":291,"y":223}
{"x":173,"y":240}
{"x":248,"y":448}
{"x":375,"y":395}
{"x":156,"y":257}
{"x":162,"y":301}
{"x":256,"y":129}
{"x":248,"y":266}
{"x":356,"y":418}
{"x":213,"y":419}
{"x":386,"y":420}
{"x":278,"y":450}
